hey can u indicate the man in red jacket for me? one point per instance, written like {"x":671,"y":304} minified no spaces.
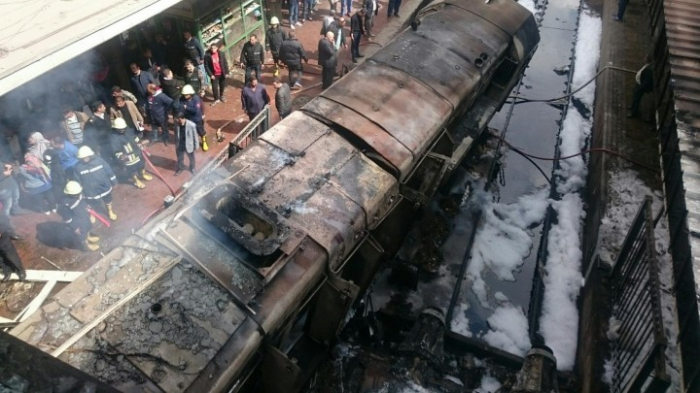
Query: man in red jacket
{"x":217,"y":67}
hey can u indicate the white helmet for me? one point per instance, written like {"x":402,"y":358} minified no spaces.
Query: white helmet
{"x":85,"y":151}
{"x":274,"y":21}
{"x":73,"y":188}
{"x":119,"y":123}
{"x":188,"y":90}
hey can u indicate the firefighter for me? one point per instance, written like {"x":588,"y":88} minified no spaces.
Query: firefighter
{"x":97,"y":179}
{"x":191,"y":106}
{"x":127,"y":149}
{"x":74,"y":211}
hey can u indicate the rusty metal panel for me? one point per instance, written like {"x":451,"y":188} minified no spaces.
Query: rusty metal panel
{"x":508,"y":15}
{"x":436,"y":66}
{"x":333,"y":220}
{"x":296,"y":183}
{"x":368,"y":185}
{"x":370,"y":133}
{"x":297,"y":132}
{"x":407,"y":109}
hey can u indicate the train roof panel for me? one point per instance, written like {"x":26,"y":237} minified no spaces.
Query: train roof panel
{"x":404,"y":107}
{"x":508,"y":15}
{"x":398,"y":156}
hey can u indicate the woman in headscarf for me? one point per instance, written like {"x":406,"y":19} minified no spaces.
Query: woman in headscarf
{"x":36,"y":181}
{"x":38,"y":145}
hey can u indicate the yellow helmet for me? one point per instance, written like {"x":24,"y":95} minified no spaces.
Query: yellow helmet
{"x":274,"y":21}
{"x":85,"y":151}
{"x":119,"y":123}
{"x":188,"y":90}
{"x":73,"y":188}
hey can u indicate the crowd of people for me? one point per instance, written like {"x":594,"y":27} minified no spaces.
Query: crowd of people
{"x":73,"y":168}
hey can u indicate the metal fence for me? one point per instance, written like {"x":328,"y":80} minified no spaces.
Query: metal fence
{"x":638,"y":350}
{"x":251,"y":132}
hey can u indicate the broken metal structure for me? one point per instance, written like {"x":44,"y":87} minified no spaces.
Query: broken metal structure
{"x":249,"y":276}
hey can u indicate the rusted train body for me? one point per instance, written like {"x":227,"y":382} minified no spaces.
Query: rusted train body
{"x":247,"y":279}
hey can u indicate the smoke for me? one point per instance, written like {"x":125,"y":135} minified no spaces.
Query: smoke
{"x":38,"y":105}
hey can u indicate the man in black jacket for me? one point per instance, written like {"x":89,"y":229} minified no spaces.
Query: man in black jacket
{"x":273,"y":40}
{"x":252,"y":58}
{"x":327,"y":58}
{"x":171,"y":86}
{"x":645,"y":84}
{"x":217,"y":67}
{"x":292,"y":53}
{"x":195,"y":52}
{"x":97,"y":128}
{"x":283,"y":98}
{"x":357,"y":30}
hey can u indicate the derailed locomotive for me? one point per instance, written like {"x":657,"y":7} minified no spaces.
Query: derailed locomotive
{"x":244,"y":282}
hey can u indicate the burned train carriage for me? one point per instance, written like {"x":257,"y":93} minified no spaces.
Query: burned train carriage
{"x":252,"y":272}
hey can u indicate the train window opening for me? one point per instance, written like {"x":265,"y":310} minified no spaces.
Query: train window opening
{"x":247,"y":221}
{"x":505,"y":72}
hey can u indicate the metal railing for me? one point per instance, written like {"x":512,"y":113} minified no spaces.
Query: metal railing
{"x":250,"y":132}
{"x":638,"y":350}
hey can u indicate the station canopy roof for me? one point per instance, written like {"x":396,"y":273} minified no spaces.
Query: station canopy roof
{"x":38,"y":35}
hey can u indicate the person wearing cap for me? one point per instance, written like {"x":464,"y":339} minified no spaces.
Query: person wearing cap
{"x":97,"y":179}
{"x":97,"y":128}
{"x":191,"y":106}
{"x":159,"y":104}
{"x":217,"y":67}
{"x":35,"y":179}
{"x":273,"y":41}
{"x":9,"y":257}
{"x":186,"y":142}
{"x":73,"y":125}
{"x":127,"y":150}
{"x":74,"y":211}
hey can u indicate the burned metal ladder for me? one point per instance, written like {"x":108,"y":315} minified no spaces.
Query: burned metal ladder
{"x":638,"y":351}
{"x":250,"y":132}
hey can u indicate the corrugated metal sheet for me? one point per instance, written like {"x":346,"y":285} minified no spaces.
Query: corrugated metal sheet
{"x":676,"y":30}
{"x":683,"y":32}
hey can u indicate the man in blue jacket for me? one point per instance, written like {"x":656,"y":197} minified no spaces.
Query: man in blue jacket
{"x":97,"y":179}
{"x":67,"y":153}
{"x":160,"y":105}
{"x":254,"y":97}
{"x":139,"y":83}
